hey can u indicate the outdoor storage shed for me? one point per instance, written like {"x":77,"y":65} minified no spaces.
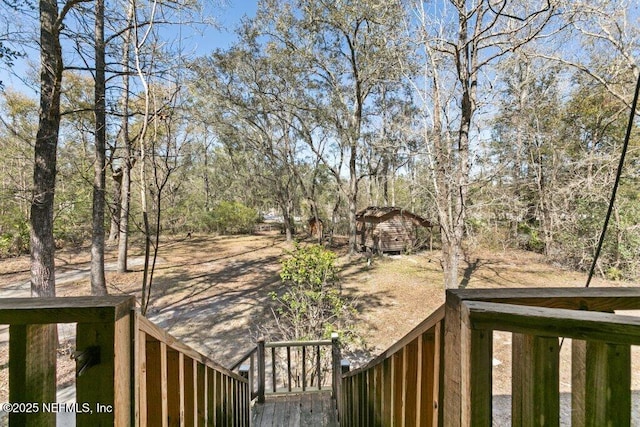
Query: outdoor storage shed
{"x":388,"y":229}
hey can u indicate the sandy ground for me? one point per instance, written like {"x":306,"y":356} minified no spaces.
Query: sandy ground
{"x":213,"y":294}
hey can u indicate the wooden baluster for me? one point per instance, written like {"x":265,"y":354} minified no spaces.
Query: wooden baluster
{"x":188,"y":390}
{"x":201,"y":391}
{"x":273,"y":369}
{"x":252,"y":372}
{"x":335,"y":365}
{"x":175,"y":387}
{"x":219,"y":398}
{"x":344,"y":404}
{"x":211,"y":397}
{"x":409,"y":383}
{"x":387,"y":383}
{"x":535,"y":380}
{"x":261,"y":370}
{"x":397,"y":370}
{"x":377,"y":394}
{"x":304,"y":368}
{"x":318,"y":368}
{"x":608,"y":384}
{"x":155,"y":405}
{"x":289,"y":368}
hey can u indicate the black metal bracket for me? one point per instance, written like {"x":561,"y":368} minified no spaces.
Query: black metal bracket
{"x":86,"y":359}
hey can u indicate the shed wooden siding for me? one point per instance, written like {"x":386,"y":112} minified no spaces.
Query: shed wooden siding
{"x":388,"y":229}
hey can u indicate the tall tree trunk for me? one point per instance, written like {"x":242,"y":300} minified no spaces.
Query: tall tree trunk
{"x":98,"y":283}
{"x":42,"y":363}
{"x":45,"y":153}
{"x":114,"y":230}
{"x":125,"y":197}
{"x":125,"y":187}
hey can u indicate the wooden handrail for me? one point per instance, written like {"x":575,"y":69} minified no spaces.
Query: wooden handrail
{"x":554,"y":322}
{"x":243,"y":358}
{"x":149,"y":328}
{"x":33,"y":311}
{"x":280,"y":344}
{"x":591,"y":299}
{"x":426,"y":325}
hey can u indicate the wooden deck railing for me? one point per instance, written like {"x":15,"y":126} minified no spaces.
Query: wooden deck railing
{"x":129,"y":371}
{"x":441,"y":372}
{"x":402,"y":385}
{"x":285,"y":367}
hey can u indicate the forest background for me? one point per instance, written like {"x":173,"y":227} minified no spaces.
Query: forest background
{"x":500,"y":121}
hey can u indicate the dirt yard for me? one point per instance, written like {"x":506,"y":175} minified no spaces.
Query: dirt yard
{"x":213,"y":292}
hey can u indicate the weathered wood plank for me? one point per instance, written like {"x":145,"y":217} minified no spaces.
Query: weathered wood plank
{"x":378,"y":393}
{"x":32,"y":372}
{"x":106,"y":362}
{"x":578,"y":382}
{"x":175,"y":388}
{"x":387,"y":394}
{"x":410,"y":383}
{"x":156,"y":384}
{"x":557,"y":322}
{"x":201,"y":393}
{"x":397,"y":387}
{"x":219,"y":398}
{"x":188,"y":391}
{"x":317,"y":409}
{"x":24,"y":311}
{"x":477,"y":352}
{"x":594,"y":299}
{"x":535,"y":381}
{"x":608,"y":384}
{"x":453,"y":394}
{"x":366,"y":396}
{"x":427,"y":381}
{"x":211,"y":396}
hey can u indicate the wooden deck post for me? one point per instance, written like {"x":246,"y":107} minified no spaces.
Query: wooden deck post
{"x":467,"y":378}
{"x":34,"y":378}
{"x":342,"y":404}
{"x":104,"y":371}
{"x":261,"y":370}
{"x":335,"y":365}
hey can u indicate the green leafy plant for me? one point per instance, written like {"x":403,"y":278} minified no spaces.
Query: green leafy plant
{"x":312,"y":305}
{"x":233,"y":218}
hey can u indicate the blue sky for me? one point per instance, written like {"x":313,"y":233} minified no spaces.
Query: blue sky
{"x":227,"y":16}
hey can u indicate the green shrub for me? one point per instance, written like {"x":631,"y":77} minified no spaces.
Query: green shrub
{"x":232,"y":218}
{"x":312,"y":305}
{"x":16,"y":241}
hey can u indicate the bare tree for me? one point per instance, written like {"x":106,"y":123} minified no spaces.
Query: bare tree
{"x":459,"y":42}
{"x":343,"y":55}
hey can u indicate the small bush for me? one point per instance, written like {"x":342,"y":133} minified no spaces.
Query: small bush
{"x":232,"y":218}
{"x":15,"y":242}
{"x":312,"y":305}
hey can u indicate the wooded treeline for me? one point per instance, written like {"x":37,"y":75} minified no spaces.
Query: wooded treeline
{"x":502,"y":122}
